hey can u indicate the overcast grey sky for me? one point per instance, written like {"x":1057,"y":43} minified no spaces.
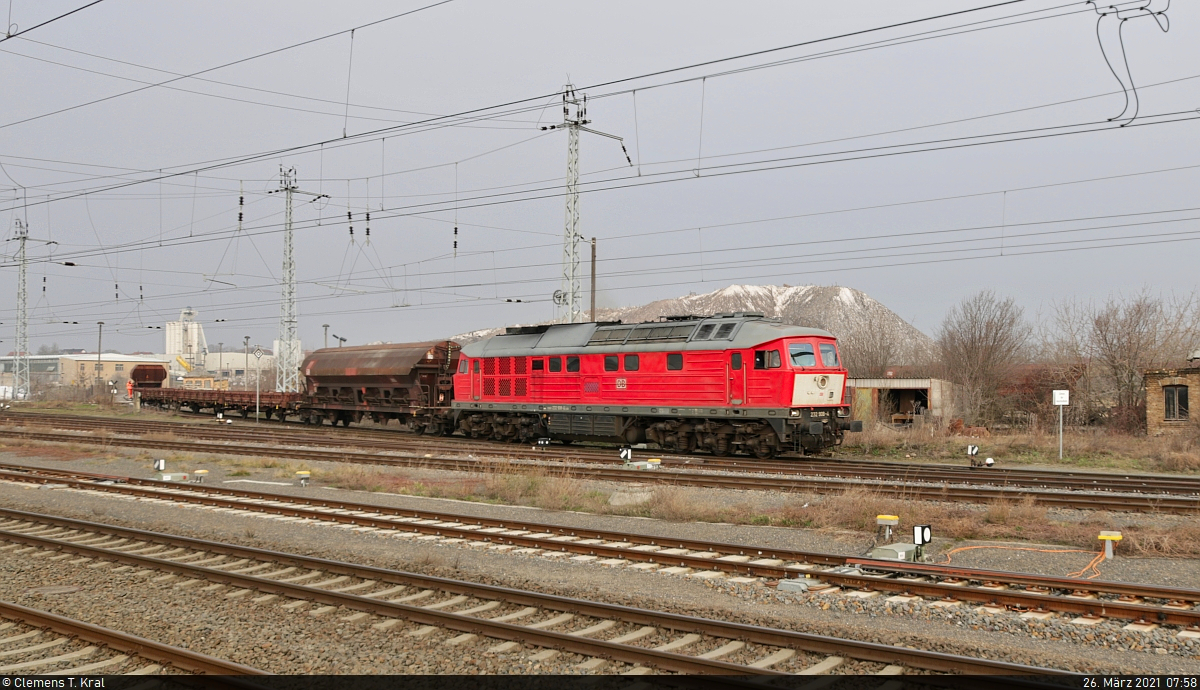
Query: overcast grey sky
{"x":759,"y":194}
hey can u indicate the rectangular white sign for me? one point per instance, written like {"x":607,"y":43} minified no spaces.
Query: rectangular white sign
{"x":1062,"y":397}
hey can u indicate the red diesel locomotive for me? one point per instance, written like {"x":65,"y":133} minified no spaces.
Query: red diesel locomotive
{"x":726,"y":383}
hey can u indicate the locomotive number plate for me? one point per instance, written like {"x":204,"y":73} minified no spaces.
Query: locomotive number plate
{"x":621,"y":384}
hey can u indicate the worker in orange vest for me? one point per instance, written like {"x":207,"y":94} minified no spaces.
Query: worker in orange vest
{"x":129,"y":387}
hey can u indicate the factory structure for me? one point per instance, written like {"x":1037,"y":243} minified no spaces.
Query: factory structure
{"x":192,"y":363}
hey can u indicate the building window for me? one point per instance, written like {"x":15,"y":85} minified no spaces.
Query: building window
{"x":610,"y":362}
{"x":98,"y":366}
{"x":239,"y":372}
{"x":572,"y":364}
{"x":120,"y":367}
{"x":556,"y":364}
{"x":82,"y":367}
{"x":631,"y":363}
{"x":674,"y":361}
{"x":1175,"y":402}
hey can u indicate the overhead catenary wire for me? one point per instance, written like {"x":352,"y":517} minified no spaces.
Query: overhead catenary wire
{"x":478,"y":112}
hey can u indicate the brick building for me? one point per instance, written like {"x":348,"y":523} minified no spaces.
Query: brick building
{"x":1167,"y":398}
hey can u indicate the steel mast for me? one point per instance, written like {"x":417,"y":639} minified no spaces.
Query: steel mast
{"x":568,"y":298}
{"x":287,"y":355}
{"x":21,"y":383}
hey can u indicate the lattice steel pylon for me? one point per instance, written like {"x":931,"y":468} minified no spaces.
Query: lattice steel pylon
{"x":21,"y":383}
{"x":288,"y":351}
{"x":568,"y":298}
{"x":569,"y":301}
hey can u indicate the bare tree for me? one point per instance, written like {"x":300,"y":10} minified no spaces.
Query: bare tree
{"x":1118,"y":341}
{"x":871,"y":348}
{"x":980,"y":342}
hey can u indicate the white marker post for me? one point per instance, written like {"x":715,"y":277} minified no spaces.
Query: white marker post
{"x":1061,"y":400}
{"x":258,"y":353}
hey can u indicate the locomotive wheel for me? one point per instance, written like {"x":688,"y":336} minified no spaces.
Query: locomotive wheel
{"x":763,"y":452}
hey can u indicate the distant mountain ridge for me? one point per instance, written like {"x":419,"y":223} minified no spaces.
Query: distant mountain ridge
{"x":842,"y":311}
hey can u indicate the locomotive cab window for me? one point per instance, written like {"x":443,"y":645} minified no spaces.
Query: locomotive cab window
{"x":538,"y":365}
{"x":802,"y":355}
{"x":631,"y":363}
{"x":555,"y":364}
{"x":766,"y":359}
{"x":476,"y":366}
{"x":829,"y":355}
{"x":572,"y":364}
{"x":1175,"y":402}
{"x":610,"y":362}
{"x":462,"y":367}
{"x":674,"y":361}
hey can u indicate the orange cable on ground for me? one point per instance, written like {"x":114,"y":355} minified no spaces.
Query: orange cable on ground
{"x":1090,"y":566}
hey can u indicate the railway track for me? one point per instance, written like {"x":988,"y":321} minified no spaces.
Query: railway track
{"x":1030,"y":595}
{"x":381,"y":440}
{"x":640,"y":640}
{"x":47,"y":644}
{"x":915,"y":490}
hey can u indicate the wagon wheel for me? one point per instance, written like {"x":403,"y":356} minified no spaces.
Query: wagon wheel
{"x":687,"y":444}
{"x":763,"y":451}
{"x":721,"y":447}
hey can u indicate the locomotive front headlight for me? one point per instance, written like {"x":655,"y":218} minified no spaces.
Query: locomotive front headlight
{"x":795,"y":413}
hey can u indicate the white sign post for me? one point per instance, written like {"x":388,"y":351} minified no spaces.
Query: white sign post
{"x":1061,"y":400}
{"x":258,"y":353}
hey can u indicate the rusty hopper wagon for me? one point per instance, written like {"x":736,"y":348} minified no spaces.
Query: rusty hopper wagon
{"x":409,"y":382}
{"x":148,"y":375}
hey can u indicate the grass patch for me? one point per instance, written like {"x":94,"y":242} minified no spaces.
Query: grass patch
{"x":1090,"y":448}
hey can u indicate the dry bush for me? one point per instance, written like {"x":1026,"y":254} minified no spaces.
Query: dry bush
{"x":676,"y":504}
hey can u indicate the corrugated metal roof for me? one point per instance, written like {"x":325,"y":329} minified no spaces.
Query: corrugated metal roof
{"x":890,"y":383}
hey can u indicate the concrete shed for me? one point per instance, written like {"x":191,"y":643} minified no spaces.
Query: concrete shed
{"x":901,"y":400}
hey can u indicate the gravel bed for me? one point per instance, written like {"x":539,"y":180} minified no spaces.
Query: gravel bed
{"x":1161,"y":571}
{"x":15,"y":635}
{"x":1104,"y":648}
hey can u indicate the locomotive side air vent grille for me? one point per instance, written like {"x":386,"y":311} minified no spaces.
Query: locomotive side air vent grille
{"x":489,"y":386}
{"x":725,"y":331}
{"x":519,"y":365}
{"x":505,"y":366}
{"x":705,"y":331}
{"x":505,"y":387}
{"x":489,"y":366}
{"x":521,"y":391}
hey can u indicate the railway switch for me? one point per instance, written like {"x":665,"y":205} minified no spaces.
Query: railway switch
{"x":895,"y":552}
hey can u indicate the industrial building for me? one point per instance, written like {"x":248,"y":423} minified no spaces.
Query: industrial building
{"x":49,"y":372}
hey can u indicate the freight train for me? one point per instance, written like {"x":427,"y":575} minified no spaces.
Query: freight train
{"x":724,"y":384}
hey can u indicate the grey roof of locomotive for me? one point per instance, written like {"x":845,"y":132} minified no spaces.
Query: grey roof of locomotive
{"x":719,"y":332}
